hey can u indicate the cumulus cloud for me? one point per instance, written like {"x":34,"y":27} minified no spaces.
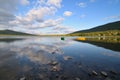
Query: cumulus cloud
{"x":5,"y":17}
{"x":51,"y":22}
{"x":7,"y":8}
{"x":8,"y":5}
{"x":7,"y":12}
{"x":56,"y":3}
{"x":48,"y":23}
{"x":27,"y":23}
{"x":67,"y":13}
{"x":82,"y":4}
{"x":33,"y":15}
{"x":40,"y":16}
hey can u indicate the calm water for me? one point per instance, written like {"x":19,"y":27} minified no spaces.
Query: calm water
{"x":49,"y":58}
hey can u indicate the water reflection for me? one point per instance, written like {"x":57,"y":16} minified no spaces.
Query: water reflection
{"x":105,"y":39}
{"x":21,"y":57}
{"x":34,"y":49}
{"x":108,"y":42}
{"x":9,"y":39}
{"x":111,"y":54}
{"x":111,"y":46}
{"x":50,"y":58}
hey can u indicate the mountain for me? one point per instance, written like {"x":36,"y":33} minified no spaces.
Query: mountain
{"x":10,"y":32}
{"x":106,"y":27}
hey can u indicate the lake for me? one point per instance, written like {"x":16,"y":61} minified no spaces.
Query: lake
{"x":50,"y":58}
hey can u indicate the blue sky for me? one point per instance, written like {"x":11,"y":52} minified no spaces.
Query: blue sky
{"x":57,"y":16}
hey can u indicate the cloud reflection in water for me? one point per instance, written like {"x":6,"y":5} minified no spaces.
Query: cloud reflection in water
{"x":36,"y":50}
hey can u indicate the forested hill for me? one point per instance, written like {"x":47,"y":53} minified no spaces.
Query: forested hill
{"x":109,"y":26}
{"x":10,"y":32}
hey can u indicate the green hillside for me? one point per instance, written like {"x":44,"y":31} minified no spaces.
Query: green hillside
{"x":10,"y":32}
{"x":109,"y":26}
{"x":110,"y":29}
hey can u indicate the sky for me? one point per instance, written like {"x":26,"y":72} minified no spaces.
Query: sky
{"x":56,"y":16}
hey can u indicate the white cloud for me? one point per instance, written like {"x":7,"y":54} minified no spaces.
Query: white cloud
{"x":37,"y":18}
{"x":55,"y":3}
{"x":24,"y":2}
{"x":40,"y":13}
{"x":28,"y":22}
{"x":8,"y":5}
{"x":49,"y":23}
{"x":7,"y":9}
{"x":82,"y":4}
{"x":67,"y":13}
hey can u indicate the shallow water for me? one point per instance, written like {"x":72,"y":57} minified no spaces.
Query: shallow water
{"x":50,"y":58}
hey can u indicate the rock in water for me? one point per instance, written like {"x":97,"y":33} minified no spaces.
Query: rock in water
{"x":53,"y":52}
{"x":77,"y":78}
{"x":67,"y":57}
{"x":94,"y":73}
{"x":104,"y":73}
{"x":54,"y":68}
{"x":53,"y":63}
{"x":23,"y":78}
